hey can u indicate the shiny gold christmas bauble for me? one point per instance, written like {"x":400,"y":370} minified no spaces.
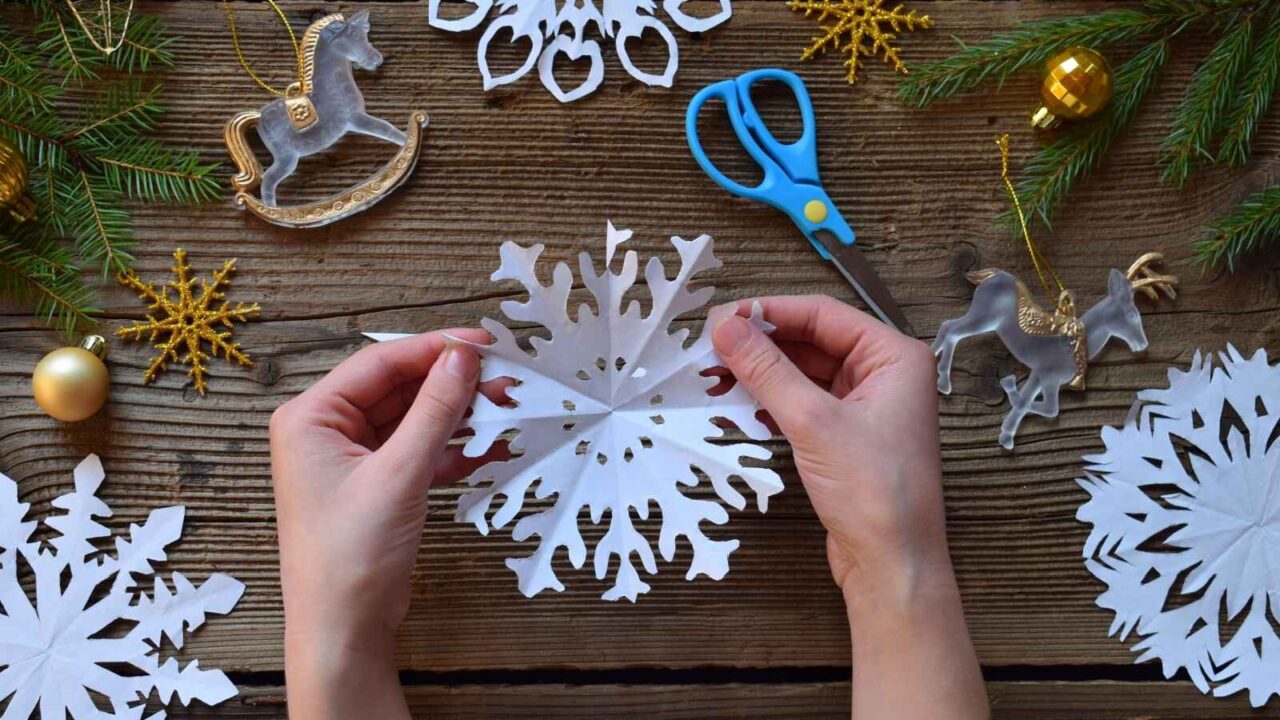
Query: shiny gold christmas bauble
{"x":72,"y":383}
{"x":1077,"y":84}
{"x":13,"y":183}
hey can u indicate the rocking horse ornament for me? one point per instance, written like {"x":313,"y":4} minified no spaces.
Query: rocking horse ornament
{"x":313,"y":114}
{"x":1056,"y":346}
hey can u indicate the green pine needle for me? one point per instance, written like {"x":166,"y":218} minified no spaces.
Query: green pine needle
{"x":35,"y":270}
{"x":1030,"y":45}
{"x":1247,"y":228}
{"x":1253,"y":94}
{"x":89,"y":153}
{"x":1054,"y":170}
{"x":1200,"y":115}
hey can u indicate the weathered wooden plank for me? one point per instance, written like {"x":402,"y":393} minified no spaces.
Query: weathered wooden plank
{"x":1096,"y":700}
{"x":920,"y":187}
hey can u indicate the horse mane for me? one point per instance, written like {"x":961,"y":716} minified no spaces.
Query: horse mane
{"x":310,"y":40}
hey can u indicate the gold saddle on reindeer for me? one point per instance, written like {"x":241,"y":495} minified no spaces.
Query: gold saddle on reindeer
{"x":1038,"y":322}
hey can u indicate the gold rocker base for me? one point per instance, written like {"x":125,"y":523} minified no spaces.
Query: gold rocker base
{"x":354,"y":199}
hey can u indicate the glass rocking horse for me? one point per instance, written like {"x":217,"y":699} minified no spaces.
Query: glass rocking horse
{"x":315,"y":113}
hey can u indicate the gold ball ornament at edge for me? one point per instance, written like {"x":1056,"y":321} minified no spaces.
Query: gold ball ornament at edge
{"x":13,"y":183}
{"x":1076,"y":85}
{"x":72,"y":383}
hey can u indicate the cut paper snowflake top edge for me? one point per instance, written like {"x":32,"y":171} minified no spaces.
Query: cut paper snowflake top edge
{"x":52,"y":655}
{"x":611,"y":412}
{"x":555,"y":27}
{"x":1184,"y":505}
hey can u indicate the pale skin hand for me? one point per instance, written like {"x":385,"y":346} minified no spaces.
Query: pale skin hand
{"x":352,"y":459}
{"x":856,"y":401}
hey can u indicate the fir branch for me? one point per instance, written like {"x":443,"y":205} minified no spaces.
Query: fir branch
{"x":144,"y":46}
{"x":35,"y":270}
{"x":92,"y":214}
{"x":21,"y":83}
{"x":123,"y":109}
{"x":1247,"y":228}
{"x":1200,"y":114}
{"x":147,"y":170}
{"x":1029,"y":45}
{"x":1054,"y":170}
{"x":1254,"y":93}
{"x":67,"y":48}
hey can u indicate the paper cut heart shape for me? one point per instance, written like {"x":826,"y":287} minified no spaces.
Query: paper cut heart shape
{"x":611,"y":412}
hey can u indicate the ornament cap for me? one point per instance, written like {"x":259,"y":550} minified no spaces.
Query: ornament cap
{"x":95,"y":344}
{"x":22,"y":209}
{"x":1043,"y":119}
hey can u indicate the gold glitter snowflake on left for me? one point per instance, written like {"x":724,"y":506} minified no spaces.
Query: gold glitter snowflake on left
{"x":861,"y":24}
{"x":188,"y":320}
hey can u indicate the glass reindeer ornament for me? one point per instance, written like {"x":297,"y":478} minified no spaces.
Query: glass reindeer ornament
{"x":1057,"y":346}
{"x":314,"y":113}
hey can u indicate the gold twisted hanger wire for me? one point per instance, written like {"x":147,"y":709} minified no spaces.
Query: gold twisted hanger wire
{"x":1043,"y":268}
{"x":111,"y":42}
{"x":244,"y":62}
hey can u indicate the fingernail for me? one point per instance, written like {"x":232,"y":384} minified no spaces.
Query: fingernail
{"x":461,"y":362}
{"x":731,"y":334}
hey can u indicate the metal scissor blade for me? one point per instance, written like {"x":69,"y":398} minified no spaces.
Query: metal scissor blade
{"x":853,"y":265}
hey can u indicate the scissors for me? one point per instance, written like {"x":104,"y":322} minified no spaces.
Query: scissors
{"x":791,"y":183}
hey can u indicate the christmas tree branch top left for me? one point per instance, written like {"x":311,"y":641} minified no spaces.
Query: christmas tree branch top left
{"x":79,"y":126}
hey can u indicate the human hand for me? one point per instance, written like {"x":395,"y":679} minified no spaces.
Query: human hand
{"x":352,"y":459}
{"x":857,"y":402}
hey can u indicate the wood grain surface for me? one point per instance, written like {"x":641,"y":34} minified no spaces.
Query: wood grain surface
{"x":920,"y":187}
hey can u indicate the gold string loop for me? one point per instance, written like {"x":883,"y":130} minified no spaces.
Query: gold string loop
{"x":1043,"y":268}
{"x":244,"y":62}
{"x":111,"y":39}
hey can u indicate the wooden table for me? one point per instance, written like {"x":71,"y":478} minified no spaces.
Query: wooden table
{"x":921,"y":187}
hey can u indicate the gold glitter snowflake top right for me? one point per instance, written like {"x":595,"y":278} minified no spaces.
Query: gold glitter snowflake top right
{"x":863,"y":23}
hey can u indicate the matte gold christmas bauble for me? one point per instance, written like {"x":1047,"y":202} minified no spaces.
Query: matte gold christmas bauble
{"x":1077,"y":84}
{"x":13,"y":183}
{"x":72,"y":383}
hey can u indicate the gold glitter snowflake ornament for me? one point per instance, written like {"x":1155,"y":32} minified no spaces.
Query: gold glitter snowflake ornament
{"x":188,"y":320}
{"x":864,"y":23}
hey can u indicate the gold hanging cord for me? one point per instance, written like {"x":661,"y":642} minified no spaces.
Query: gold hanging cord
{"x":1043,"y":268}
{"x":244,"y":62}
{"x":111,"y":42}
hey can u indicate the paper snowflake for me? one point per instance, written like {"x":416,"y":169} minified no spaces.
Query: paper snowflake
{"x":611,"y":413}
{"x":862,"y":26}
{"x":1185,"y":508}
{"x":59,"y":652}
{"x":188,"y":320}
{"x":552,"y":27}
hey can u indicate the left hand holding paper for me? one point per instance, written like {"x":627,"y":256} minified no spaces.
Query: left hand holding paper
{"x":352,"y":459}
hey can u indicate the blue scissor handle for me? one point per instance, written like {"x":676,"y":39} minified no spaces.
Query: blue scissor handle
{"x":798,"y":158}
{"x":790,"y":182}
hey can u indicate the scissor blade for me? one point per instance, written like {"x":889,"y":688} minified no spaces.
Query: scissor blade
{"x":855,"y":268}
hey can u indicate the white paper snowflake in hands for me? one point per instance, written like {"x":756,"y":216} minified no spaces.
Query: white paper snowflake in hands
{"x":611,"y":413}
{"x":552,"y":27}
{"x":58,"y":652}
{"x":1185,"y":508}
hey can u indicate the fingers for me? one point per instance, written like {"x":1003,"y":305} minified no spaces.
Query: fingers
{"x":368,"y":376}
{"x":769,"y":375}
{"x":413,"y":449}
{"x":861,"y":342}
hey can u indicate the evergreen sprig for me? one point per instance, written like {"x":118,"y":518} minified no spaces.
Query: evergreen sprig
{"x":1216,"y":121}
{"x":1248,"y":227}
{"x":89,"y":153}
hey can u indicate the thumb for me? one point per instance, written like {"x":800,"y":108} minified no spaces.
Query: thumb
{"x":768,"y":374}
{"x":434,"y":416}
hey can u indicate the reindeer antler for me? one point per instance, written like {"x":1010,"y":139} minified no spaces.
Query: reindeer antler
{"x":1148,"y":281}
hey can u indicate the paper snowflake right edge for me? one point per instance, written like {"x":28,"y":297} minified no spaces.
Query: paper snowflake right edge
{"x":1185,"y":508}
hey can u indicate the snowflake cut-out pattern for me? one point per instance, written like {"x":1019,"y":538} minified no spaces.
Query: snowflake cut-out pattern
{"x":188,"y":319}
{"x":553,"y":27}
{"x":864,"y":27}
{"x":89,"y":617}
{"x":611,"y":413}
{"x":1185,"y":508}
